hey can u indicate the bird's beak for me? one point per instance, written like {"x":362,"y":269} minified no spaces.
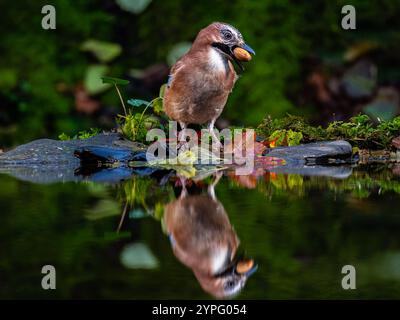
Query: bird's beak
{"x":252,"y":270}
{"x":229,"y":51}
{"x":238,"y":60}
{"x":246,"y":267}
{"x":248,"y":49}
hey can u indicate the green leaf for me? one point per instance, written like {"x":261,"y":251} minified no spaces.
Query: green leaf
{"x":134,"y":6}
{"x":178,"y":51}
{"x":279,"y":137}
{"x":104,"y":51}
{"x":162,"y":90}
{"x":64,"y":137}
{"x":137,"y":214}
{"x":92,"y":81}
{"x":294,"y":138}
{"x":138,"y":256}
{"x":187,"y":157}
{"x":158,"y":105}
{"x":137,"y":102}
{"x":103,"y":209}
{"x":113,"y":80}
{"x":286,"y":137}
{"x":88,"y":134}
{"x":159,"y":211}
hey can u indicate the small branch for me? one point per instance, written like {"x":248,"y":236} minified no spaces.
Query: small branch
{"x":148,"y":105}
{"x":120,"y":98}
{"x":122,"y":217}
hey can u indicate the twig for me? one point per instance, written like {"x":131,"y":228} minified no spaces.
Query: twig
{"x":148,"y":105}
{"x":122,"y":217}
{"x":120,"y":98}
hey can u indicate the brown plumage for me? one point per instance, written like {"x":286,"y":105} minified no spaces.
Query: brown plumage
{"x":201,"y":80}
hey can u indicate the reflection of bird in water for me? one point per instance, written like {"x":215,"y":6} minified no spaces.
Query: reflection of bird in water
{"x":204,"y":240}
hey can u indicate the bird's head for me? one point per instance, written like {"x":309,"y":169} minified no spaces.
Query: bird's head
{"x":227,"y":40}
{"x":230,"y":281}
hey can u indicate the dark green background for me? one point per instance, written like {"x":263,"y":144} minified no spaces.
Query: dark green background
{"x":35,"y":62}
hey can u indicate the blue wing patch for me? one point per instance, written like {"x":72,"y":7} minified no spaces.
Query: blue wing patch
{"x":171,"y":240}
{"x":169,"y":80}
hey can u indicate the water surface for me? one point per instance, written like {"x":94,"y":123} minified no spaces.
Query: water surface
{"x":114,"y":241}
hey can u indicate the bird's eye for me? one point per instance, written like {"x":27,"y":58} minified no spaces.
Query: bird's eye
{"x":227,"y":34}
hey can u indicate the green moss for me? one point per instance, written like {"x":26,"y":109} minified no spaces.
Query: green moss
{"x":293,"y":123}
{"x":360,"y":131}
{"x":135,"y":126}
{"x":81,"y":134}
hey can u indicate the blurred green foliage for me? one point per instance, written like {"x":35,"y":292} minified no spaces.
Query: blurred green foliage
{"x":40,"y":68}
{"x":41,"y":60}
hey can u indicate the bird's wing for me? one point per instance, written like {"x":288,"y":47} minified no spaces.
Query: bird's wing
{"x":175,"y":68}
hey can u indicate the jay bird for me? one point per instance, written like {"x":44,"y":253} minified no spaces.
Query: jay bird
{"x":203,"y":239}
{"x":200,"y":81}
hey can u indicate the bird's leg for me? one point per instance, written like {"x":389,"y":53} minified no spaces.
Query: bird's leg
{"x":182,"y":145}
{"x":184,"y":191}
{"x":183,"y":127}
{"x":215,"y":139}
{"x":181,"y":134}
{"x":211,"y":187}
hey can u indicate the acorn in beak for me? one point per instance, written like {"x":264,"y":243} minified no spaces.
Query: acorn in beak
{"x":241,"y":53}
{"x":246,"y":267}
{"x":237,"y":53}
{"x":242,"y":267}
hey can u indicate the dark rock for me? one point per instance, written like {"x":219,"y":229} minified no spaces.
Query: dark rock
{"x":47,"y":151}
{"x":94,"y":154}
{"x":313,"y":153}
{"x":315,"y":159}
{"x":48,"y":161}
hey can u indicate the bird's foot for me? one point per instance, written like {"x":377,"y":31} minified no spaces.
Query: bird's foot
{"x":215,"y":141}
{"x":183,"y":146}
{"x":216,"y":144}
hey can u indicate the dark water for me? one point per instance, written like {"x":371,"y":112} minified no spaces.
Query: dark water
{"x":300,"y":232}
